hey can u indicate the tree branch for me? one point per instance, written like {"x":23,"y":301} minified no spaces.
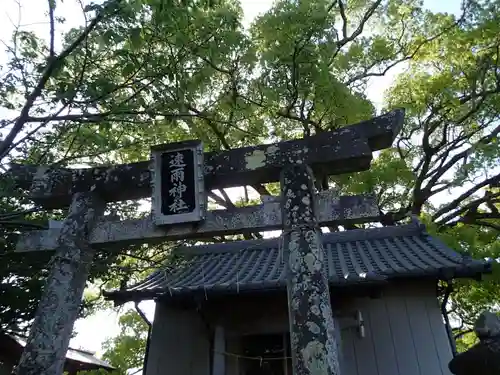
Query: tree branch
{"x":344,"y":18}
{"x":52,"y":65}
{"x":94,"y":117}
{"x":218,"y":200}
{"x":359,"y":29}
{"x":52,"y":4}
{"x":456,"y":202}
{"x":456,"y":158}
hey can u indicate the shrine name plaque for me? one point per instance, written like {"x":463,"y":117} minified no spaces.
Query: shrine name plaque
{"x":178,"y":194}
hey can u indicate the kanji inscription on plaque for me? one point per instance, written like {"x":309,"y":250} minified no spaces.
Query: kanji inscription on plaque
{"x":178,"y":188}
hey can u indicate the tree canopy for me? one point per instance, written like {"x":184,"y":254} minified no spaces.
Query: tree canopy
{"x":126,"y":351}
{"x":145,"y":72}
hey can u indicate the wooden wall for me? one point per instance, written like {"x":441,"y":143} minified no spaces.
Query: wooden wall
{"x":180,"y":344}
{"x":404,"y":333}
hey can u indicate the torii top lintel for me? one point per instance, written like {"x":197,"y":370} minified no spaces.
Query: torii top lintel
{"x":345,"y":150}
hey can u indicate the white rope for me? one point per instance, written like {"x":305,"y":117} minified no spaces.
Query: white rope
{"x":259,"y":358}
{"x":203,"y":279}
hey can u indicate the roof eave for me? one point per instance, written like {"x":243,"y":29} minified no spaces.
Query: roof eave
{"x":472,"y":270}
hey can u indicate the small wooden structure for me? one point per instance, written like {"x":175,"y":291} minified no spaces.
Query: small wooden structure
{"x":224,"y":311}
{"x":11,"y":347}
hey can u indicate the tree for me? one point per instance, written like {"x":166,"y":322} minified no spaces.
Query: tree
{"x":26,"y":91}
{"x":235,"y":88}
{"x":147,"y":72}
{"x":445,"y":166}
{"x":126,"y":351}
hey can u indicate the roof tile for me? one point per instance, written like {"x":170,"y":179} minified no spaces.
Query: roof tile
{"x":364,"y":255}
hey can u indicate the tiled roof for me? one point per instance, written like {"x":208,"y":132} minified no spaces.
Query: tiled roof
{"x":354,"y":256}
{"x":78,"y":355}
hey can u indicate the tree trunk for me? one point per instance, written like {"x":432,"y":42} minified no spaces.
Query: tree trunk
{"x":48,"y":342}
{"x":312,"y":327}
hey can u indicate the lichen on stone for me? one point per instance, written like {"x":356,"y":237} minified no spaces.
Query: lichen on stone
{"x":255,"y":159}
{"x":312,"y":330}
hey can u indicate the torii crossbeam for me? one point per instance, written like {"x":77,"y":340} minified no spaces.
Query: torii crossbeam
{"x":348,"y":149}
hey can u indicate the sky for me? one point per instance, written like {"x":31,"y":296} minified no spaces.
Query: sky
{"x":92,"y":331}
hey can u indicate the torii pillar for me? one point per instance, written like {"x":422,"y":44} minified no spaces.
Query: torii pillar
{"x":315,"y":349}
{"x":48,"y":341}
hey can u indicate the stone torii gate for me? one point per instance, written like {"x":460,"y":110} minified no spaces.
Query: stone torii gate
{"x":177,"y":178}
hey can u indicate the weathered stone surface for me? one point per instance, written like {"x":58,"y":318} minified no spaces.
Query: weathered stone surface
{"x":487,"y":325}
{"x":382,"y":130}
{"x":49,"y":337}
{"x":332,"y":210}
{"x":482,"y":358}
{"x":341,"y":151}
{"x":315,"y":349}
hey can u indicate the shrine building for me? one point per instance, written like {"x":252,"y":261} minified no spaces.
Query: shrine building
{"x":223,"y":310}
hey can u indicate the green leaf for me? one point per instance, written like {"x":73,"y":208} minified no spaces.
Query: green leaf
{"x":128,"y":69}
{"x":136,"y":38}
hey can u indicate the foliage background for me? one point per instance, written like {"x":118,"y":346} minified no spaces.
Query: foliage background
{"x":143,"y":72}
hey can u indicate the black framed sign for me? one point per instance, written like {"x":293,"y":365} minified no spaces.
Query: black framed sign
{"x":178,"y":183}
